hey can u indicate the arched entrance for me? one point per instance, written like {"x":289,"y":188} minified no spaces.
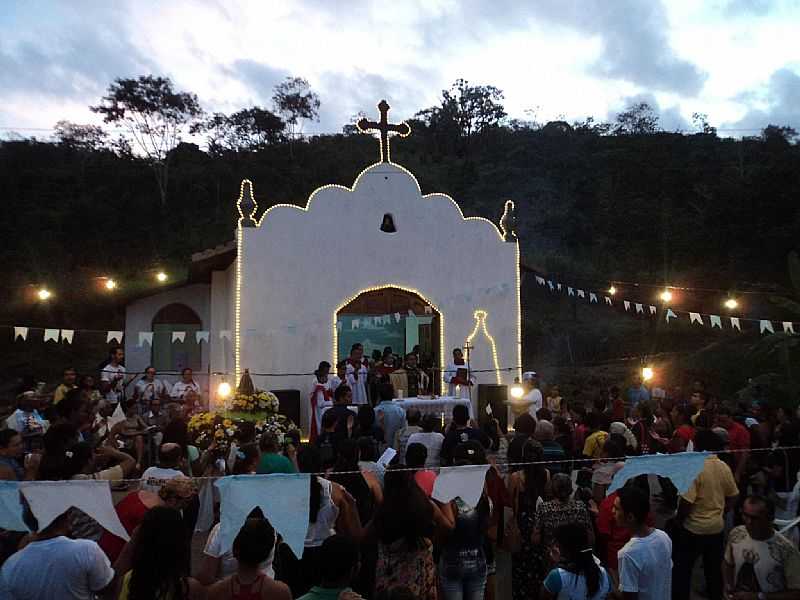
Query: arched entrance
{"x":391,"y":316}
{"x":174,"y":356}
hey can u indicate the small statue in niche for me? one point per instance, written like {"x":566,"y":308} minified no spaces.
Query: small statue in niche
{"x":508,"y":222}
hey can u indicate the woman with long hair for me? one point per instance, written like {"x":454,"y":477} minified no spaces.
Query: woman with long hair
{"x":577,"y":574}
{"x":404,"y":527}
{"x":526,"y":489}
{"x":562,"y":509}
{"x":158,"y":560}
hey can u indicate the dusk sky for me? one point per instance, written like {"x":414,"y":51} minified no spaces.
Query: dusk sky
{"x":736,"y":60}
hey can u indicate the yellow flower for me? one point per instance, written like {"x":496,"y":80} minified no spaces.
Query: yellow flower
{"x":219,"y":434}
{"x":227,"y":423}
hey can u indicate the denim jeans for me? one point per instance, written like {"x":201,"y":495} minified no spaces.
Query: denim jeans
{"x":463,"y":580}
{"x":686,"y":547}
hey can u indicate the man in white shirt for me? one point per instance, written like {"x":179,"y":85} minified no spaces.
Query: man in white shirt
{"x":533,"y":395}
{"x":53,"y":566}
{"x":148,"y":388}
{"x":457,"y":376}
{"x":356,"y":374}
{"x":170,"y":459}
{"x":431,"y":439}
{"x":186,"y":391}
{"x":645,"y":562}
{"x":112,"y":377}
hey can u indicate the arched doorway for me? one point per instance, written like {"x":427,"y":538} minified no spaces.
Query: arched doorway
{"x":174,"y":356}
{"x":392,"y":316}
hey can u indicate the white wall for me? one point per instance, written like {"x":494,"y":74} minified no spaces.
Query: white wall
{"x":300,"y":265}
{"x":139,"y":317}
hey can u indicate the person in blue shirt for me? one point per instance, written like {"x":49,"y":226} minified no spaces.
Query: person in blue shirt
{"x":638,"y":392}
{"x":391,"y":416}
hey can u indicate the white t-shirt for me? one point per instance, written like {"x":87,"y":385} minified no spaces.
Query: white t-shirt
{"x":179,"y":389}
{"x":227,"y":562}
{"x":147,"y":390}
{"x":154,"y":477}
{"x":534,"y":398}
{"x":117,"y":391}
{"x":56,"y":568}
{"x":566,"y":585}
{"x":433,"y":442}
{"x":643,"y":566}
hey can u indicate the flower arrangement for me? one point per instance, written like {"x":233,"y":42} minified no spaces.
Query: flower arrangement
{"x":205,"y":428}
{"x":259,"y":401}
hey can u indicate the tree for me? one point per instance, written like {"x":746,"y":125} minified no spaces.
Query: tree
{"x":777,"y":134}
{"x":81,"y":137}
{"x":295,"y":101}
{"x":246,"y":130}
{"x":638,"y":119}
{"x":154,"y":115}
{"x":700,"y":120}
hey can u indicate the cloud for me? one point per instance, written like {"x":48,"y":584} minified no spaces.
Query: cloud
{"x":749,"y":8}
{"x":260,"y":78}
{"x":778,"y":103}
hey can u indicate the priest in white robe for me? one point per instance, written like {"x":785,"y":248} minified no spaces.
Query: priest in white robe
{"x":356,"y":374}
{"x":321,"y":398}
{"x":457,"y":376}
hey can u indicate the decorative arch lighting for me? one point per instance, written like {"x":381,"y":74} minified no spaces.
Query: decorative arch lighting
{"x":666,"y":296}
{"x":731,"y":303}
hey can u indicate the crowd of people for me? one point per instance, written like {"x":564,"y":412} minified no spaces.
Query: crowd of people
{"x":375,"y":529}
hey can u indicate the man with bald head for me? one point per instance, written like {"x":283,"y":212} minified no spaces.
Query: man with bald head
{"x":170,"y":461}
{"x":545,"y":435}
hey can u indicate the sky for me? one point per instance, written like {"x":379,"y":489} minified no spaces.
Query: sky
{"x":738,"y":61}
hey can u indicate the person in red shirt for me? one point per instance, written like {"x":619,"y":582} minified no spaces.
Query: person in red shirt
{"x":416,"y":455}
{"x":175,"y":493}
{"x":738,"y":438}
{"x":682,"y":422}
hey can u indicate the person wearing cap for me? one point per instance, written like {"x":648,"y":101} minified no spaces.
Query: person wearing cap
{"x":533,"y":395}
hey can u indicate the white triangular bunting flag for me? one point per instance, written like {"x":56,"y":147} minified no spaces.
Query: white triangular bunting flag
{"x":592,"y":297}
{"x":735,"y":323}
{"x":788,"y":327}
{"x":766,"y":325}
{"x":179,"y":336}
{"x":145,"y":336}
{"x":715,"y":321}
{"x":20,"y":332}
{"x":201,"y":336}
{"x":51,"y":334}
{"x":397,"y":317}
{"x":540,"y":280}
{"x":338,"y":325}
{"x":67,"y":335}
{"x":410,"y":313}
{"x":581,"y":294}
{"x":639,"y":308}
{"x":670,"y":315}
{"x":695,"y":318}
{"x":354,"y":324}
{"x":570,"y":291}
{"x":558,"y":287}
{"x":627,"y":305}
{"x":428,"y":310}
{"x":114,"y":336}
{"x":653,"y":310}
{"x":551,"y":285}
{"x":608,"y":300}
{"x":225,"y":334}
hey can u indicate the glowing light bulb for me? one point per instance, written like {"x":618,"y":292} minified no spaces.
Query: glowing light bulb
{"x":516,"y":390}
{"x":161,"y":276}
{"x":224,"y":390}
{"x":666,"y":295}
{"x":612,"y":290}
{"x":731,"y":303}
{"x":110,"y":284}
{"x":647,"y":373}
{"x":44,"y":294}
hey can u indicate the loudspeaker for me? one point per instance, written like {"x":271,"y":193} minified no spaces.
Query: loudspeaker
{"x":496,"y":396}
{"x":289,"y":405}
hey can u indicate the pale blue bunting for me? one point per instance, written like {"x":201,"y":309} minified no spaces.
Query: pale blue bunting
{"x":11,"y":507}
{"x":682,"y":468}
{"x":284,"y":500}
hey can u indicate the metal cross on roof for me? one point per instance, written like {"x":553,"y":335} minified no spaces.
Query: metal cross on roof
{"x":384,"y":127}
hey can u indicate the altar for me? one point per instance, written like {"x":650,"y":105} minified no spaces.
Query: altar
{"x":443,"y":405}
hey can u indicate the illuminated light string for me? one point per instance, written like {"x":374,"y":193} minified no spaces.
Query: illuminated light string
{"x":715,"y":321}
{"x":519,"y":312}
{"x":480,"y":323}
